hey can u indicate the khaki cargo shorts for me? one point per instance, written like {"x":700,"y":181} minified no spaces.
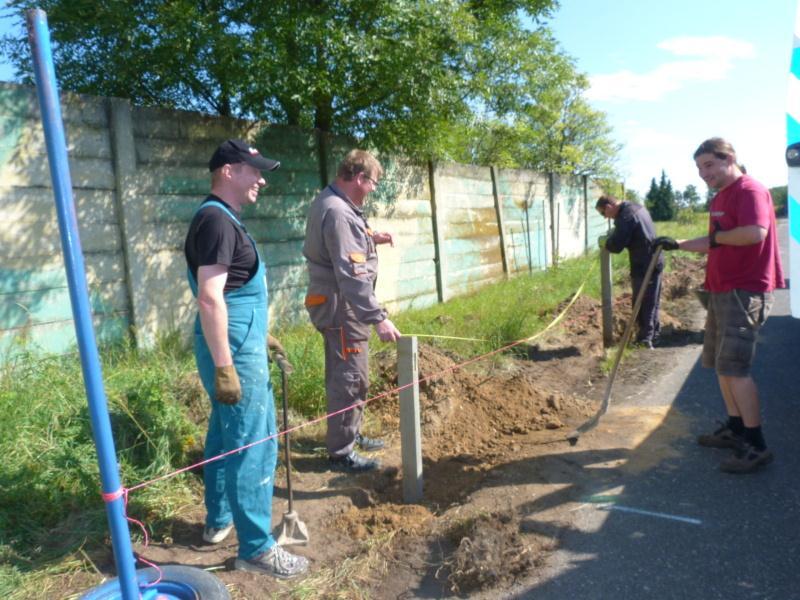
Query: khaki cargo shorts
{"x":732,"y":325}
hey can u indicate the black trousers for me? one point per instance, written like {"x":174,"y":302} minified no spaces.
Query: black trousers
{"x":647,"y":320}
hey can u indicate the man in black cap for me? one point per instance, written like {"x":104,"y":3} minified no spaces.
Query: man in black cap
{"x":228,"y":279}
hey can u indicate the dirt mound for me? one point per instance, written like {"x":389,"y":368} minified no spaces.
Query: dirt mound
{"x":490,"y":551}
{"x":360,"y":524}
{"x":465,"y":410}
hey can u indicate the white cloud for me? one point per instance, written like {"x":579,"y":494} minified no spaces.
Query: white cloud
{"x":709,"y":59}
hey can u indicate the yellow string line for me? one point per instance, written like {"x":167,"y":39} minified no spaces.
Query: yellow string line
{"x":552,"y":324}
{"x":444,"y":337}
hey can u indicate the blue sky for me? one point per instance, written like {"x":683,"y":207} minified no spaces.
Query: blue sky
{"x":672,"y":73}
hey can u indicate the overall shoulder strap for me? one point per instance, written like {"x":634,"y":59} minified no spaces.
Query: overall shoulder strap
{"x":222,"y":207}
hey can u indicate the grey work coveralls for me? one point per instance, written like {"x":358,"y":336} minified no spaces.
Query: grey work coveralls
{"x":342,"y":269}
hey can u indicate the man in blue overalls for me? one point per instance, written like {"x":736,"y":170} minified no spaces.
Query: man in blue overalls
{"x":228,"y":279}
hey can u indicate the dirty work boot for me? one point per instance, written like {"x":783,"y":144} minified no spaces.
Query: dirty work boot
{"x":723,"y":437}
{"x":352,"y":463}
{"x":747,"y":460}
{"x":276,"y":562}
{"x":215,"y":536}
{"x":369,"y":444}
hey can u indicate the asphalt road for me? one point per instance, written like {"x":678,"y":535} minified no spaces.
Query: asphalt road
{"x":683,"y":529}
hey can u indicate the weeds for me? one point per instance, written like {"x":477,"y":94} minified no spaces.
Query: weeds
{"x":51,"y":502}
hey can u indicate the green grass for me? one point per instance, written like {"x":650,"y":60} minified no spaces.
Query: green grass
{"x":49,"y":476}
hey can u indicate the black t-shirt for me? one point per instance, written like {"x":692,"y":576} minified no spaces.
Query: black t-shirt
{"x":214,"y":239}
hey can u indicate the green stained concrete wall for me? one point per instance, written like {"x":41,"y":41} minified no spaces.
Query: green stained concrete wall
{"x":35,"y":311}
{"x":139,"y":174}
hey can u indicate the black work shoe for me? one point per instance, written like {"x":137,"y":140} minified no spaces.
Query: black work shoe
{"x":369,"y":444}
{"x":723,"y":437}
{"x":642,"y":344}
{"x":747,"y":460}
{"x":352,"y":463}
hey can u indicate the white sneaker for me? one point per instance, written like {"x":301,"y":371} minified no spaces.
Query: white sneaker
{"x":215,"y":536}
{"x":276,"y":562}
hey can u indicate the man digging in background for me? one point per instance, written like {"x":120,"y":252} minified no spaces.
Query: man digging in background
{"x":634,"y":230}
{"x":743,"y":269}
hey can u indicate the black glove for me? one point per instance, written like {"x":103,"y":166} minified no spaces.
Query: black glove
{"x":712,"y":239}
{"x":666,"y":243}
{"x":279,"y":355}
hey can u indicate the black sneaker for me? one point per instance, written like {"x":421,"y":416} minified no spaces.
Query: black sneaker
{"x":747,"y":460}
{"x":642,"y":344}
{"x":723,"y":437}
{"x":352,"y":463}
{"x":369,"y":444}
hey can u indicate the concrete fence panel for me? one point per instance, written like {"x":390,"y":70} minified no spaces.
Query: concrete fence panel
{"x":139,"y":175}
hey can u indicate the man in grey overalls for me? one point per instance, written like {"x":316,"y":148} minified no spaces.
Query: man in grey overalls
{"x":342,"y":268}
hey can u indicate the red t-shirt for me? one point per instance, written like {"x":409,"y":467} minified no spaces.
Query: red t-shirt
{"x":757,"y":267}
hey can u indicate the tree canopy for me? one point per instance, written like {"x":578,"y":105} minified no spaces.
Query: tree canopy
{"x":479,"y":81}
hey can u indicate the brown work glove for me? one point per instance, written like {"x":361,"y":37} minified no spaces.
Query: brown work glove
{"x":279,"y":354}
{"x":227,"y":388}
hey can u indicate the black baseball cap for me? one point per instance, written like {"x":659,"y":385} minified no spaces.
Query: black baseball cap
{"x":232,"y":152}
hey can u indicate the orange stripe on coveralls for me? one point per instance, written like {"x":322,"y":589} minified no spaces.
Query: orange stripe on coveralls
{"x":315,"y":300}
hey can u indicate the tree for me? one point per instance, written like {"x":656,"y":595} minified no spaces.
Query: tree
{"x":691,"y":199}
{"x":660,"y":199}
{"x":633,"y":196}
{"x":780,"y":199}
{"x":536,"y":116}
{"x":413,"y":76}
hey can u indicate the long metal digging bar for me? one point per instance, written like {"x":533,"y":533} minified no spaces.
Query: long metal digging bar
{"x":572,"y":438}
{"x":293,"y":531}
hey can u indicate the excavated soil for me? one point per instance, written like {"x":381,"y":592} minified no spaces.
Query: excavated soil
{"x":483,"y":427}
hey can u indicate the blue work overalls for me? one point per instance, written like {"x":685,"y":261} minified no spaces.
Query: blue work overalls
{"x":238,"y":487}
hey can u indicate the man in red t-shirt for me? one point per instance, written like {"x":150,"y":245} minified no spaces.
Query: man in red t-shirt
{"x":743,"y":269}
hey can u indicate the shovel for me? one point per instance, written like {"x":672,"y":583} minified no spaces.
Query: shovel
{"x":293,"y":530}
{"x":592,"y":423}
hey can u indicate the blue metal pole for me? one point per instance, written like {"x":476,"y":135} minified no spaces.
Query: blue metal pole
{"x":39,"y":37}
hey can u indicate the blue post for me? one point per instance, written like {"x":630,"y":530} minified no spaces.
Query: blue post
{"x":47,"y":90}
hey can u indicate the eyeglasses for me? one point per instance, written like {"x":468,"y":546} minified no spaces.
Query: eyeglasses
{"x":370,"y":179}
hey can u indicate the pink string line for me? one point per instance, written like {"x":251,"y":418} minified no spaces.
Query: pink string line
{"x":363,"y":402}
{"x":324,"y":417}
{"x":123,"y":493}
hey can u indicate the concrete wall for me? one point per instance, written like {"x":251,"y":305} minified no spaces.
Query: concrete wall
{"x":139,"y":174}
{"x":34,"y":298}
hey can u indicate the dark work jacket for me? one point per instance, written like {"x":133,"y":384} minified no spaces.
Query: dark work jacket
{"x":634,"y":230}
